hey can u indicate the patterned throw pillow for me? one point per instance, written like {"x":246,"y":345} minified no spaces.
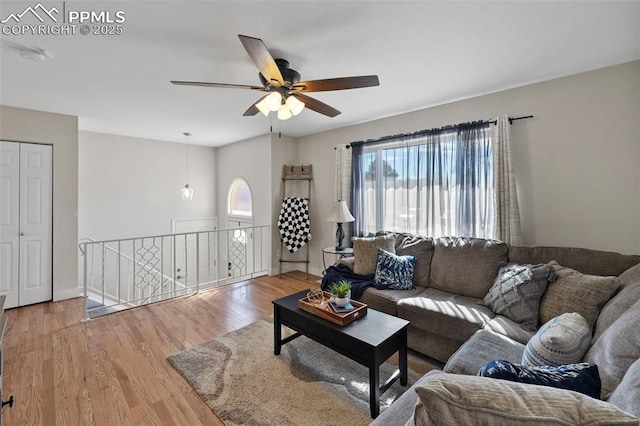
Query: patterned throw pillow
{"x":394,"y":272}
{"x":563,"y":340}
{"x":574,"y":291}
{"x":365,"y":252}
{"x":517,"y":291}
{"x":583,"y":377}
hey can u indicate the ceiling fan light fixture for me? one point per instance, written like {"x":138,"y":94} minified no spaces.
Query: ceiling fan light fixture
{"x":295,"y":105}
{"x":274,"y":100}
{"x":284,"y":113}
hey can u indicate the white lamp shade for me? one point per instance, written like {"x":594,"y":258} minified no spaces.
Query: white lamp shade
{"x":263,"y":106}
{"x":295,"y":105}
{"x":187,"y":192}
{"x":274,"y":100}
{"x":340,"y":213}
{"x":284,"y":113}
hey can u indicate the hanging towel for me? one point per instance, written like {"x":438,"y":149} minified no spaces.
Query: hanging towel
{"x":293,"y":223}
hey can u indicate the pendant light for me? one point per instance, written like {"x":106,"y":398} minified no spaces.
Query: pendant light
{"x":187,"y":191}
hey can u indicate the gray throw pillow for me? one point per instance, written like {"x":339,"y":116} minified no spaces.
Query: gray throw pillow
{"x":517,"y":290}
{"x":573,"y":291}
{"x":365,"y":252}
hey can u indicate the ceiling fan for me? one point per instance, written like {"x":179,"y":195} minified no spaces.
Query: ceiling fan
{"x":285,"y":91}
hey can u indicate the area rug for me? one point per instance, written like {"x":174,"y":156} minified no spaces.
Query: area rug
{"x":244,"y":383}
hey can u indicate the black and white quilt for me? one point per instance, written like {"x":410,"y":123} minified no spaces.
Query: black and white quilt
{"x":294,"y":224}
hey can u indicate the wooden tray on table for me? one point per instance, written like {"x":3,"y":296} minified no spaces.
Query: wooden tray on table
{"x":324,"y":311}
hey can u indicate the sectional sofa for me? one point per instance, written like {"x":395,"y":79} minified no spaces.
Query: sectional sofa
{"x":451,"y":321}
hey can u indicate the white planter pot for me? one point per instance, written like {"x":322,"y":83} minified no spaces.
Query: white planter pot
{"x":341,"y":301}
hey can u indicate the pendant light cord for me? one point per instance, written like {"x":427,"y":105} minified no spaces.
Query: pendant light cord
{"x":187,"y":134}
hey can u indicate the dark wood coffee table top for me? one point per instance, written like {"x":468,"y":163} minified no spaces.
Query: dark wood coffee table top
{"x":373,"y":328}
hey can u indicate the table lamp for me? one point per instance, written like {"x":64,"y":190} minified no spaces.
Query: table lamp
{"x":340,"y":214}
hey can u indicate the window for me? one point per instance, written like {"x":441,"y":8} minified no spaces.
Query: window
{"x":240,"y":199}
{"x":433,"y":183}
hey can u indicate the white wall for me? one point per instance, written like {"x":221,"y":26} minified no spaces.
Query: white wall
{"x":250,"y":160}
{"x":130,"y":187}
{"x":259,"y":161}
{"x":577,"y":161}
{"x":61,"y":131}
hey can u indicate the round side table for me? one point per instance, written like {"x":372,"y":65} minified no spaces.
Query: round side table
{"x":343,"y":252}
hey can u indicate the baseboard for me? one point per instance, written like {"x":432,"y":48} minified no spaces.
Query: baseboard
{"x":66,"y":294}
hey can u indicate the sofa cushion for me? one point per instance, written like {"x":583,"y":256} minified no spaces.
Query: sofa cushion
{"x":582,"y":377}
{"x":394,"y":272}
{"x":628,"y":293}
{"x":435,"y":346}
{"x":451,"y":399}
{"x":627,"y":393}
{"x":587,"y":261}
{"x":510,"y":328}
{"x":573,"y":291}
{"x":517,"y":290}
{"x":365,"y":252}
{"x":617,"y":348}
{"x":444,"y":313}
{"x":387,"y":300}
{"x":466,"y":266}
{"x":422,"y":249}
{"x":563,"y":340}
{"x":485,"y":345}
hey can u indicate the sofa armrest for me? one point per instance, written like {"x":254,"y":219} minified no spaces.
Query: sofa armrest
{"x":463,"y":400}
{"x":347,"y":261}
{"x":401,"y":411}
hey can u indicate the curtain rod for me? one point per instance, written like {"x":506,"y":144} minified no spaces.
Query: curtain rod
{"x":438,"y":129}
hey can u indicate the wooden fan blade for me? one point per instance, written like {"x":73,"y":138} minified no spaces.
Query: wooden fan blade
{"x":341,"y":83}
{"x":253,"y":109}
{"x":227,"y":85}
{"x":260,"y":55}
{"x":316,"y":105}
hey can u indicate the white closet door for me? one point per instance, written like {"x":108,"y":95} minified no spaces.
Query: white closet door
{"x":25,"y":223}
{"x":35,"y":223}
{"x":9,"y":221}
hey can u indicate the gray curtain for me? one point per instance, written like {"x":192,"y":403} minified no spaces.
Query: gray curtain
{"x":436,"y":182}
{"x":506,"y":199}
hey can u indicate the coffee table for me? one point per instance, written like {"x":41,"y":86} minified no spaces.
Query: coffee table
{"x":369,"y":340}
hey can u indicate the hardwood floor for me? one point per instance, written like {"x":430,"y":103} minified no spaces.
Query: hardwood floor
{"x":113,"y":370}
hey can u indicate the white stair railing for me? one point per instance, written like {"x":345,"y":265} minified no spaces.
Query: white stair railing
{"x":124,"y":273}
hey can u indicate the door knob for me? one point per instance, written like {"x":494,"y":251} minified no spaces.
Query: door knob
{"x":22,"y":234}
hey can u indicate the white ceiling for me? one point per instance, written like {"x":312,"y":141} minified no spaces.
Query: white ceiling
{"x":425,"y":53}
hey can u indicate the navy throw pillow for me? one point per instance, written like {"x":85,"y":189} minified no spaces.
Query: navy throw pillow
{"x":582,"y":377}
{"x":394,"y":272}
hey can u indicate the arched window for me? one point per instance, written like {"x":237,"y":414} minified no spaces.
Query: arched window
{"x":240,"y":199}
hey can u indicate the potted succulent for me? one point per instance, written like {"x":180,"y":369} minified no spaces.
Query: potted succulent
{"x":340,"y":292}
